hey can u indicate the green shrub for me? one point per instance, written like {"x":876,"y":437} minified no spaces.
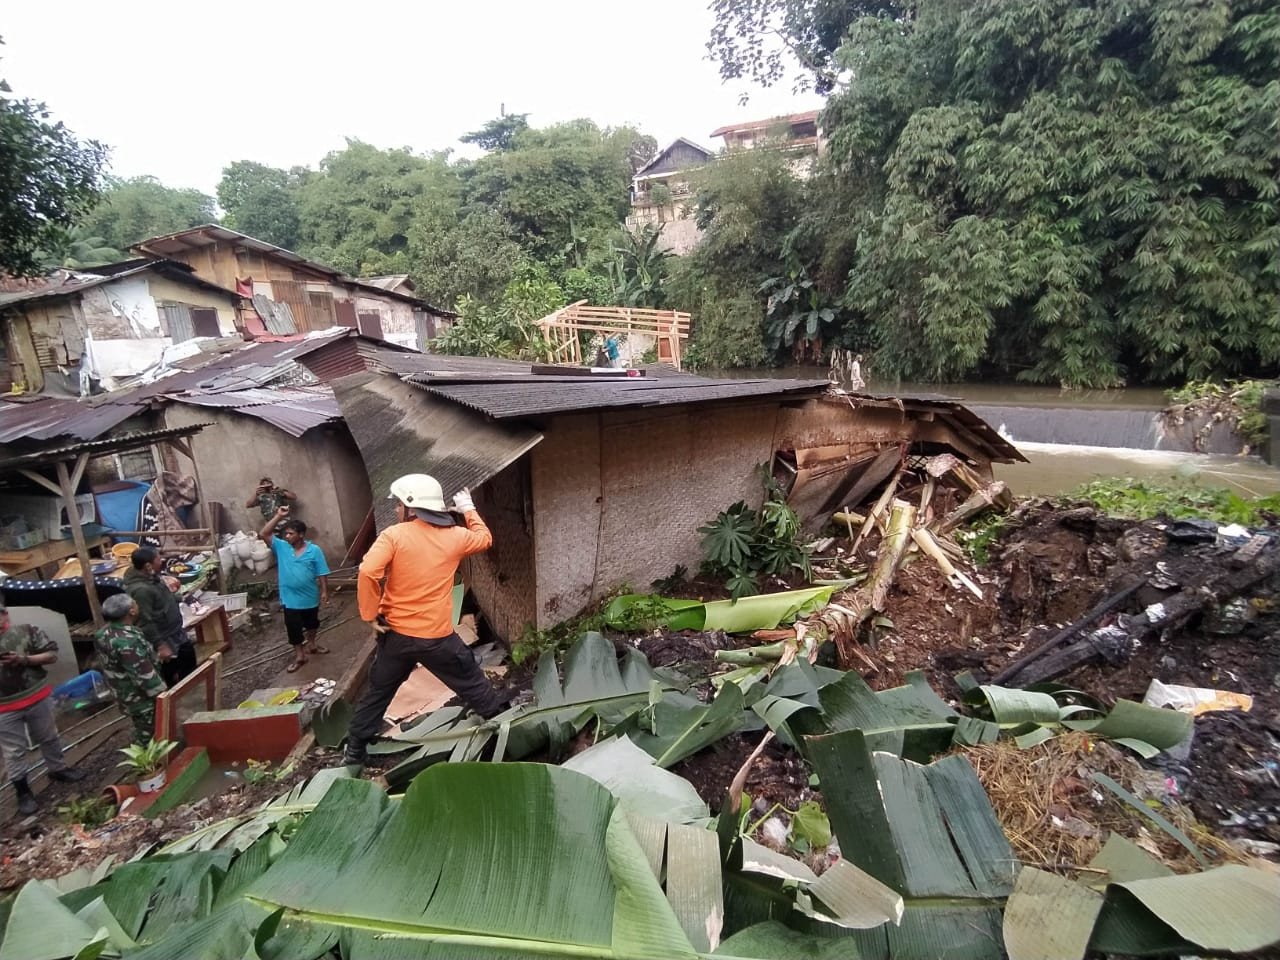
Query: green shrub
{"x":1146,"y":499}
{"x":741,"y":545}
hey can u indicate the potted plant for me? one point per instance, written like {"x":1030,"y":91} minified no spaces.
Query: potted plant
{"x":148,"y":763}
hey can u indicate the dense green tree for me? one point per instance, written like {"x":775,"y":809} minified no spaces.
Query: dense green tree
{"x":48,"y":179}
{"x":357,"y":209}
{"x":555,"y":180}
{"x":499,"y":133}
{"x":262,"y":201}
{"x":1081,"y":193}
{"x":133,"y":210}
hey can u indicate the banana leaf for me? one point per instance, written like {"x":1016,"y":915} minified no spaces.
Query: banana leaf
{"x":1231,"y":909}
{"x":477,"y":860}
{"x":761,"y":612}
{"x":1049,"y":917}
{"x":925,"y":831}
{"x":42,"y":928}
{"x":679,"y":731}
{"x":594,"y":687}
{"x":642,"y":787}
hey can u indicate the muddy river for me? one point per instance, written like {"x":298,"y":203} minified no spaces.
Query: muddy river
{"x":1071,"y":437}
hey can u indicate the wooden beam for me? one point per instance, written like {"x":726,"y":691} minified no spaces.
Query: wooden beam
{"x":77,"y":474}
{"x":82,"y":549}
{"x":43,"y":481}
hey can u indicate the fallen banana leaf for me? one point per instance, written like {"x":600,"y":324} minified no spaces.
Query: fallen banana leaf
{"x":642,"y":787}
{"x":1122,"y":859}
{"x":1132,"y":721}
{"x":42,"y":928}
{"x":680,"y":731}
{"x":889,"y":817}
{"x":747,"y":614}
{"x":1049,"y":917}
{"x":478,"y":860}
{"x":1230,"y":909}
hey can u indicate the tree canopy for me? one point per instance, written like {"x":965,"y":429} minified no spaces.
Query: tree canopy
{"x":141,"y":207}
{"x":48,"y":179}
{"x":1084,"y":194}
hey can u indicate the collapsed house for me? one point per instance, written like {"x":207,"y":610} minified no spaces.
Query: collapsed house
{"x":590,"y":482}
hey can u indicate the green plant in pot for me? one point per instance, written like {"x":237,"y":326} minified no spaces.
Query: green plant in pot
{"x":148,"y":763}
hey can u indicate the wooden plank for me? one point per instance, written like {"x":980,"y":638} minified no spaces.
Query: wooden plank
{"x":82,"y":548}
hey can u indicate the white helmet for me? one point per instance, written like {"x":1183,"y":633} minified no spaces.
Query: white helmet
{"x":418,"y":492}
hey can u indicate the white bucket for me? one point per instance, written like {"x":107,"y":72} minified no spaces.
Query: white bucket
{"x":152,"y":783}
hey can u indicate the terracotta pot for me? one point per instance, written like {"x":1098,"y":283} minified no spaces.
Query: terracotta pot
{"x":118,"y":793}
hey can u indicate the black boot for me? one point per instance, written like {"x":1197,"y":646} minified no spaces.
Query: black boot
{"x":67,"y":775}
{"x":353,"y":754}
{"x":26,"y":799}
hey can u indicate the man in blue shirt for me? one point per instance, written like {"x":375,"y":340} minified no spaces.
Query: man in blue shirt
{"x":304,"y":583}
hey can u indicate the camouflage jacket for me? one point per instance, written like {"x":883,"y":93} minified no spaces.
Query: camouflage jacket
{"x":127,"y":662}
{"x":270,"y":502}
{"x":18,"y":682}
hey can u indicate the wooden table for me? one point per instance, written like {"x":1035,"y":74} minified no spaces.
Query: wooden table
{"x":44,"y":555}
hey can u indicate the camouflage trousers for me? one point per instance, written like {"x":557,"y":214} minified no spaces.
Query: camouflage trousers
{"x":143,"y":717}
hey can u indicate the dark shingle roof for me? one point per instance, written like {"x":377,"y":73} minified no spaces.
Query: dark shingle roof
{"x":538,"y":396}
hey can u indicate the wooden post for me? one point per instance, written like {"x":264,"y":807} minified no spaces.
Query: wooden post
{"x":82,"y":550}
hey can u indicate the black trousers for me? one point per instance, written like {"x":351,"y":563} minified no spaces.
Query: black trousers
{"x":448,"y":658}
{"x":183,"y":663}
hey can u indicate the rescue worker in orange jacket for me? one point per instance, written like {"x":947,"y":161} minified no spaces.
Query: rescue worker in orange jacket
{"x":405,"y":592}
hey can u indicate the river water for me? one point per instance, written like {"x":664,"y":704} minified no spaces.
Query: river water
{"x":1071,"y":437}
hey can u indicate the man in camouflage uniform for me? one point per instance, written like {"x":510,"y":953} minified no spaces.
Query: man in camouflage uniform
{"x":128,"y":663}
{"x":26,"y":707}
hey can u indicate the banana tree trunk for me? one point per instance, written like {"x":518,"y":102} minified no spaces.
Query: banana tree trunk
{"x":844,"y":623}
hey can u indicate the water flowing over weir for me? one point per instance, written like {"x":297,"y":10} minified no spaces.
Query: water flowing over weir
{"x":1131,"y":428}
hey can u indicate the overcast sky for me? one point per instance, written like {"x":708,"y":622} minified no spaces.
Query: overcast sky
{"x":178,"y":91}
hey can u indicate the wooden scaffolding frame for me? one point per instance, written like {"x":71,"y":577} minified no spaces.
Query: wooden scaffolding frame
{"x":669,"y":327}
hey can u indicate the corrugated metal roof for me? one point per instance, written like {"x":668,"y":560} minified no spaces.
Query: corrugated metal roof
{"x":294,"y":410}
{"x":531,"y":397}
{"x":399,"y":431}
{"x":56,"y":417}
{"x":120,"y":444}
{"x":246,"y":368}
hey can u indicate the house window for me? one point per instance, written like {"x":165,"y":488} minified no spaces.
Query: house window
{"x":204,"y":321}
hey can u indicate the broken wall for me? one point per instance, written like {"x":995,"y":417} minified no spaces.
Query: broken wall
{"x":618,"y":497}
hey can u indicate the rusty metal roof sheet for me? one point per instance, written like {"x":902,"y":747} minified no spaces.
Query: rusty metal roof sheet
{"x":247,"y":368}
{"x":121,"y":444}
{"x":90,"y":277}
{"x":56,"y":417}
{"x":399,"y":430}
{"x":295,"y":410}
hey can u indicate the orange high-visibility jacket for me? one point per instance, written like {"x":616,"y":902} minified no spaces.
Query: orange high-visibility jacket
{"x":418,"y":562}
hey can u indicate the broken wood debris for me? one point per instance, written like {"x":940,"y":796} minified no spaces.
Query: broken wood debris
{"x":908,"y":531}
